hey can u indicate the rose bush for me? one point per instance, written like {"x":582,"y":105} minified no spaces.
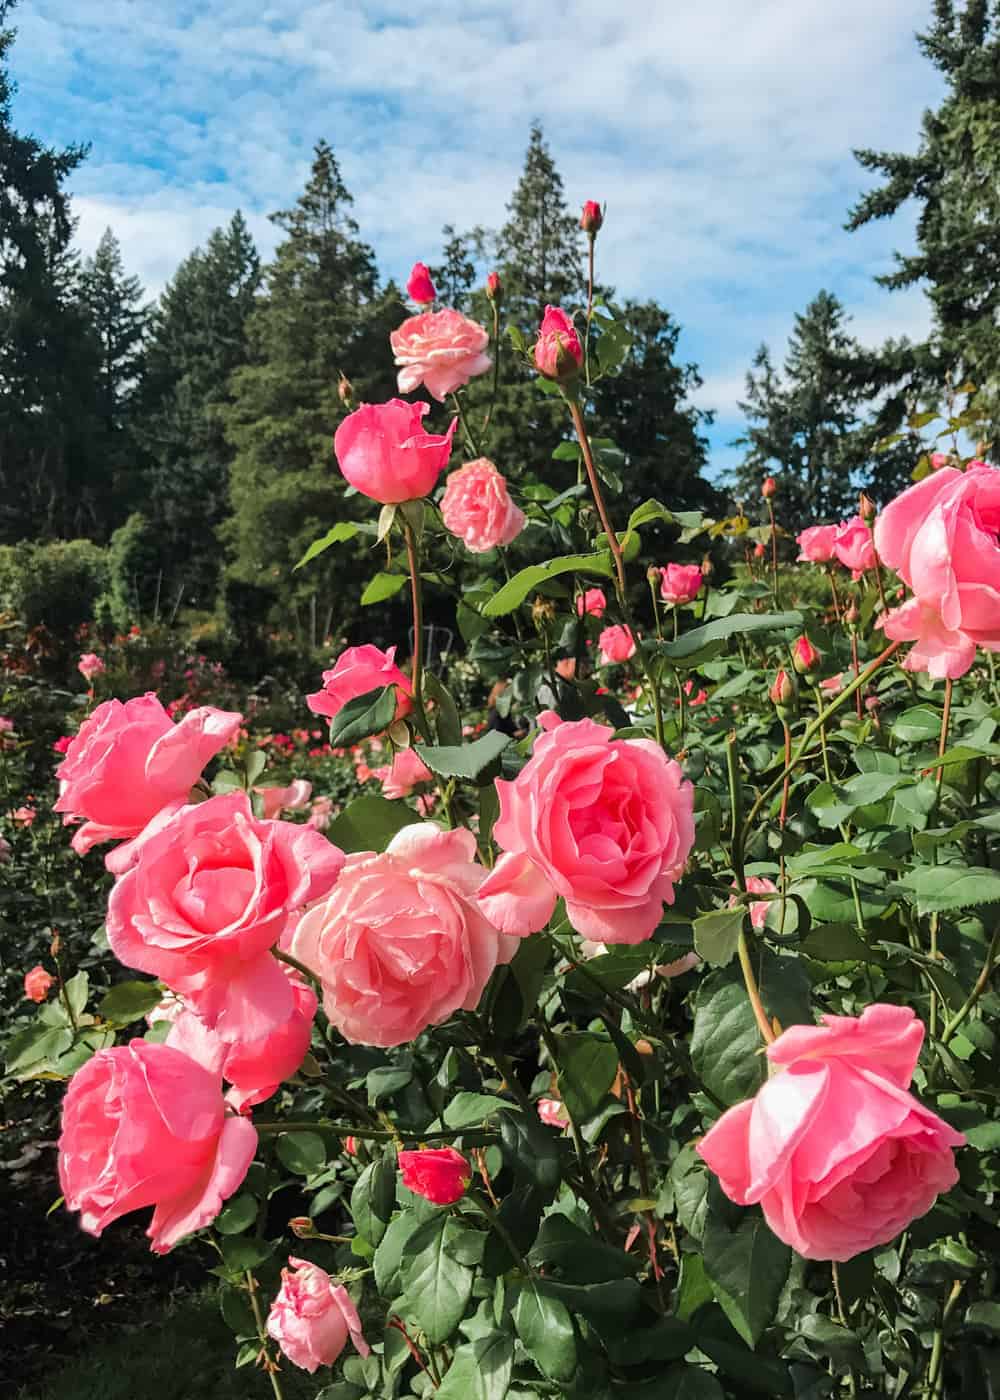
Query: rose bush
{"x":636,"y":1038}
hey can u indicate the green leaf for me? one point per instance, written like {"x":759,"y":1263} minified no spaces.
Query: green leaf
{"x":601,"y":1303}
{"x":390,"y":1253}
{"x":748,"y":1267}
{"x":682,"y":1383}
{"x":369,"y":824}
{"x":578,"y":1257}
{"x":346,"y":530}
{"x":649,"y":510}
{"x":240,"y":1252}
{"x":546,"y":1329}
{"x":530,"y":1149}
{"x":234,"y":1304}
{"x":237,"y":1215}
{"x":75,"y":992}
{"x":129,"y":1001}
{"x":587,"y":1068}
{"x":468,"y":761}
{"x":689,"y":1178}
{"x":438,"y":1288}
{"x":716,"y":935}
{"x":941,"y":889}
{"x":301,"y":1153}
{"x":374,"y":1197}
{"x":447,"y":720}
{"x":515,"y":590}
{"x":837,"y":943}
{"x":382,"y":586}
{"x":467,"y":1110}
{"x":919,"y":724}
{"x":365,"y":715}
{"x":480,"y":1370}
{"x":31,"y":1049}
{"x":739,"y":624}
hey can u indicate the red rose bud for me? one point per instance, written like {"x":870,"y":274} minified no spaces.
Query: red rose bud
{"x":759,"y":551}
{"x":592,"y":217}
{"x":302,"y":1227}
{"x":558,"y":353}
{"x":867,"y":508}
{"x":419,"y":287}
{"x":782,"y":692}
{"x":768,"y":488}
{"x":805,"y":657}
{"x":439,"y":1174}
{"x":494,"y":287}
{"x":351,"y":1145}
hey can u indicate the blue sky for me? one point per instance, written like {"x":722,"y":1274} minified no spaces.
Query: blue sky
{"x":719,"y":134}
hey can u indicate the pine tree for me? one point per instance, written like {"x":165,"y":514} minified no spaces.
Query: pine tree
{"x":954,"y":177}
{"x":540,"y":247}
{"x":119,"y":318}
{"x":321,"y":313}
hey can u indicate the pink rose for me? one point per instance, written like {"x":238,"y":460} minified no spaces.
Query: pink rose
{"x":439,"y":1174}
{"x":406,"y":771}
{"x":255,"y":1059}
{"x":130,"y":761}
{"x":476,"y":507}
{"x":853,"y":546}
{"x":209,"y":894}
{"x":757,"y":884}
{"x":90,"y":665}
{"x":839,"y":1155}
{"x":606,"y":823}
{"x":401,"y":943}
{"x":419,"y":286}
{"x":553,"y":1113}
{"x":37,"y":983}
{"x":62,"y":744}
{"x":616,"y":645}
{"x":833,"y":685}
{"x":312,"y":1317}
{"x":941,"y":537}
{"x":592,"y":603}
{"x":558,"y":353}
{"x":566,"y":668}
{"x":355,"y":672}
{"x":816,"y":543}
{"x":383,"y":450}
{"x":142,"y":1125}
{"x":5,"y":852}
{"x":285,"y":799}
{"x":442,"y":350}
{"x":680,"y":583}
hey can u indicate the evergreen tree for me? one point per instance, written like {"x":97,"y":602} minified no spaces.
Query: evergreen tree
{"x":118,"y":317}
{"x":540,"y":247}
{"x":321,"y":313}
{"x":955,"y":179}
{"x":198,"y":339}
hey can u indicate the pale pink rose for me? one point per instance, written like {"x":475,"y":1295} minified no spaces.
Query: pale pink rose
{"x":419,"y":285}
{"x":383,"y":450}
{"x":312,"y":1317}
{"x":442,"y":350}
{"x":355,"y":672}
{"x":606,"y":823}
{"x":401,"y":943}
{"x":854,"y":547}
{"x":680,"y":583}
{"x":6,"y":725}
{"x":90,"y":665}
{"x":616,"y":646}
{"x":37,"y":983}
{"x":256,"y":1060}
{"x":440,"y":1174}
{"x":130,"y":761}
{"x":143,"y":1125}
{"x":23,"y":816}
{"x":816,"y":543}
{"x":285,"y":799}
{"x":757,"y":884}
{"x":942,"y":536}
{"x":208,"y":896}
{"x":838,"y":1154}
{"x":592,"y":603}
{"x":321,"y":813}
{"x":476,"y":507}
{"x":833,"y":685}
{"x":553,"y":1113}
{"x":406,"y":771}
{"x":557,"y":353}
{"x":566,"y":668}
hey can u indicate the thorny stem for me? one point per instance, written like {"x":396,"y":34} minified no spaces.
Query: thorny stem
{"x":753,"y":991}
{"x":856,"y":665}
{"x":576,"y":413}
{"x":270,"y":1366}
{"x":590,"y":307}
{"x":949,"y":686}
{"x":418,"y":632}
{"x":935,"y":1369}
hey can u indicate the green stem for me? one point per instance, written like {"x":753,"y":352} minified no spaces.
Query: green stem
{"x":735,"y":809}
{"x":578,"y":1143}
{"x":982,"y":982}
{"x":682,"y":703}
{"x":576,"y":413}
{"x":753,"y":991}
{"x":418,"y":632}
{"x":307,"y":972}
{"x":492,"y":1218}
{"x":270,"y":1366}
{"x":496,"y":367}
{"x":774,"y":554}
{"x":470,"y":439}
{"x":324,"y":1125}
{"x":590,"y":307}
{"x":935,"y":1369}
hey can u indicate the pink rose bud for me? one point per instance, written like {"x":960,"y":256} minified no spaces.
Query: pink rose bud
{"x":805,"y":657}
{"x":442,"y":350}
{"x":355,"y":672}
{"x":592,"y":603}
{"x":852,"y":613}
{"x":144,"y":1125}
{"x":90,"y":665}
{"x":867,"y":508}
{"x":419,"y":287}
{"x":351,"y":1145}
{"x":782,"y":692}
{"x":386,"y":454}
{"x":759,"y":551}
{"x":312,"y":1317}
{"x":439,"y":1174}
{"x":345,"y":391}
{"x":616,"y":646}
{"x":37,"y":983}
{"x":592,"y":217}
{"x":494,"y":287}
{"x":768,"y":488}
{"x":553,"y":1113}
{"x":680,"y":583}
{"x":477,"y":508}
{"x":828,"y":1192}
{"x":558,"y":353}
{"x":757,"y":884}
{"x":816,"y":543}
